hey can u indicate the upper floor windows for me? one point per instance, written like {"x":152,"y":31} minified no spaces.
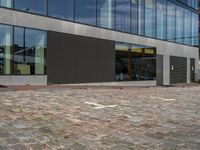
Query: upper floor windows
{"x":6,"y":3}
{"x":34,"y":6}
{"x":63,"y":10}
{"x":85,"y":11}
{"x":161,"y":19}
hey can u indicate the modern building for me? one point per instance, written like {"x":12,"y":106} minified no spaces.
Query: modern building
{"x":83,"y":41}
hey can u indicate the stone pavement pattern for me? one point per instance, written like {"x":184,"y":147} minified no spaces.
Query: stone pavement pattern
{"x":155,"y":118}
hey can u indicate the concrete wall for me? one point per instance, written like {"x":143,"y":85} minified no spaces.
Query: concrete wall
{"x":23,"y":80}
{"x":164,"y":48}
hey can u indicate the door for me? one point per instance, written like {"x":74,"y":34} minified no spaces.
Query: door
{"x":178,"y":70}
{"x":192,"y":70}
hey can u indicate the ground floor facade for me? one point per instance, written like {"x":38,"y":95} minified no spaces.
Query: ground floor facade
{"x":40,"y":50}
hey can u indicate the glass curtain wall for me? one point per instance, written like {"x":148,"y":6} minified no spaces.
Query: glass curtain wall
{"x":6,"y":3}
{"x":5,"y":49}
{"x":85,"y":11}
{"x":171,"y":22}
{"x":34,"y":6}
{"x":123,"y":15}
{"x":141,"y":17}
{"x":134,"y":16}
{"x":179,"y":24}
{"x":64,"y":9}
{"x":162,"y":19}
{"x":150,"y":18}
{"x":187,"y":27}
{"x":29,"y":51}
{"x":195,"y":29}
{"x":106,"y":13}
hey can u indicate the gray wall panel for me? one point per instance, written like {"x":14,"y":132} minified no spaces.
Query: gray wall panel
{"x":159,"y":69}
{"x":78,"y":59}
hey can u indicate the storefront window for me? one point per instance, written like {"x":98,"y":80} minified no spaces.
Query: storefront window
{"x":135,"y":62}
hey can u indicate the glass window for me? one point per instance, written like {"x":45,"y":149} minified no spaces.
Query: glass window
{"x":85,"y":11}
{"x":195,"y":29}
{"x":34,"y":6}
{"x":150,"y":18}
{"x":171,"y":21}
{"x":20,"y":66}
{"x":135,"y":62}
{"x":64,"y":9}
{"x":5,"y":49}
{"x":123,"y":62}
{"x":29,"y":51}
{"x":187,"y":27}
{"x":134,"y":16}
{"x":179,"y":24}
{"x":123,"y":12}
{"x":141,"y":17}
{"x":161,"y":19}
{"x":6,"y":3}
{"x":106,"y":13}
{"x":35,"y":47}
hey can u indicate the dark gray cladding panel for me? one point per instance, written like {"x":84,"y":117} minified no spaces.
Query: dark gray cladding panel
{"x":159,"y":69}
{"x":178,"y":69}
{"x":78,"y":59}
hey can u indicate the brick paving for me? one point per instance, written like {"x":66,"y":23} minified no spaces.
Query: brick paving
{"x":100,"y":118}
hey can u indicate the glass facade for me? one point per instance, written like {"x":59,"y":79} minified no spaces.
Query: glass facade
{"x":174,"y":21}
{"x":6,"y":3}
{"x":171,"y":22}
{"x":63,"y":10}
{"x":22,"y":51}
{"x":85,"y":11}
{"x":34,"y":6}
{"x":106,"y":14}
{"x":161,"y":19}
{"x":5,"y":49}
{"x":134,"y":62}
{"x":179,"y":24}
{"x":150,"y":18}
{"x":123,"y":13}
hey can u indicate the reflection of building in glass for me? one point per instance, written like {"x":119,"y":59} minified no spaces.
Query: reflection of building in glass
{"x":73,"y":41}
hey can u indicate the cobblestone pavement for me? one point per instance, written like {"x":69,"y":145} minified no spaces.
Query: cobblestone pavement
{"x":156,"y":118}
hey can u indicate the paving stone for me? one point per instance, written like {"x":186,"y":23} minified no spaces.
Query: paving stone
{"x":18,"y":147}
{"x":101,"y":118}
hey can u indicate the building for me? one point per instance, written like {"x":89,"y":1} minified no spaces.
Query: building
{"x":77,"y":41}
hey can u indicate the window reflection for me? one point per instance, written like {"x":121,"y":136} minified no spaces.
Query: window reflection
{"x":34,"y":6}
{"x":85,"y":11}
{"x":161,"y":19}
{"x":6,"y":3}
{"x":123,"y":12}
{"x":179,"y":24}
{"x":29,"y":51}
{"x":171,"y":21}
{"x":150,"y":18}
{"x":5,"y":49}
{"x":106,"y":13}
{"x":63,"y":9}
